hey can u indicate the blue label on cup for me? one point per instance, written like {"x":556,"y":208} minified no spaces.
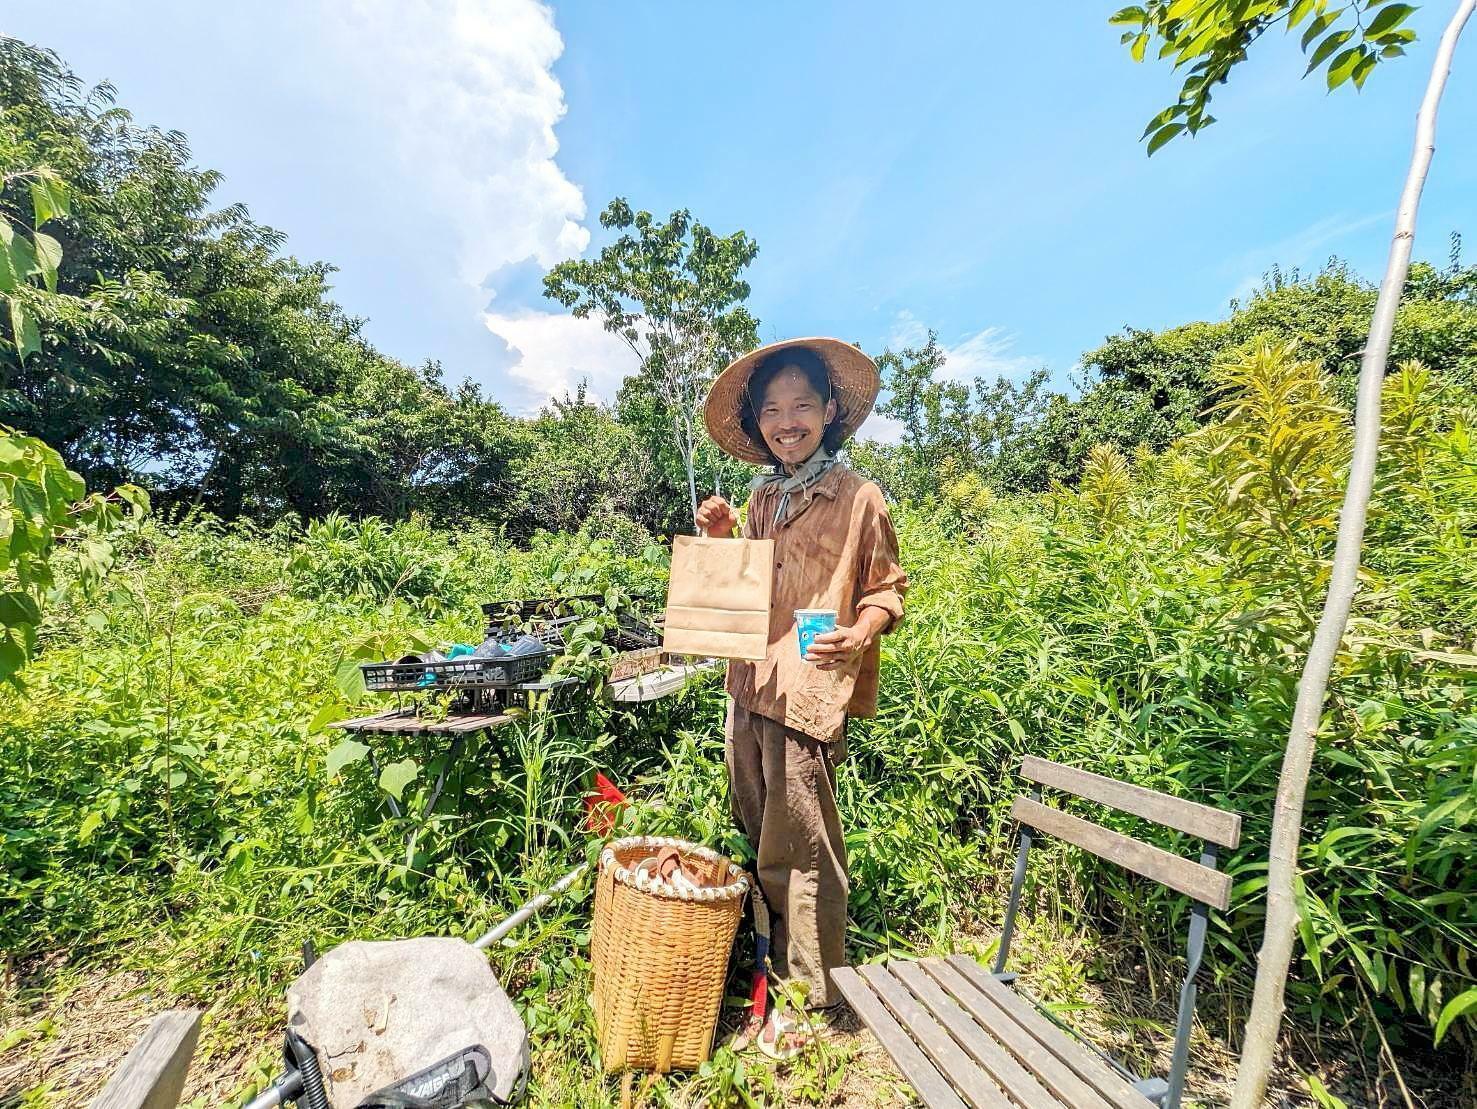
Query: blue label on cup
{"x":810,"y":623}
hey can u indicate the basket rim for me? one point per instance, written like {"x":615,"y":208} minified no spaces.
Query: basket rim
{"x":644,"y":882}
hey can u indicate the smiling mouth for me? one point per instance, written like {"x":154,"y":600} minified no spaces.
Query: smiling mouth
{"x":789,"y":440}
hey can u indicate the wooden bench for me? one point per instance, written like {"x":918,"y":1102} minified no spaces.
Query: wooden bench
{"x":963,"y":1037}
{"x":152,"y":1075}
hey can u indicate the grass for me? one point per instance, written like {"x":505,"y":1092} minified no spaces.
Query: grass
{"x":171,"y":823}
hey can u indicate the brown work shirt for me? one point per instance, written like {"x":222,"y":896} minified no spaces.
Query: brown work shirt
{"x":836,"y":550}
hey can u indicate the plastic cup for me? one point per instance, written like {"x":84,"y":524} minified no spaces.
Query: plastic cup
{"x":811,"y":622}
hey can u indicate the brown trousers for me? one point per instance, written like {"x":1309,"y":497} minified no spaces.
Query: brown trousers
{"x":782,"y":789}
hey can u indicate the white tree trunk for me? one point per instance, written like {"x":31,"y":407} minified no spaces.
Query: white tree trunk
{"x":689,"y":450}
{"x":1275,"y":957}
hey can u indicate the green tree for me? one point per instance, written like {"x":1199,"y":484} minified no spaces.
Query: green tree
{"x":1147,"y":388}
{"x":1211,"y":37}
{"x":43,"y":505}
{"x":950,"y":427}
{"x":674,"y":293}
{"x":181,"y":349}
{"x":586,"y":468}
{"x":406,"y":444}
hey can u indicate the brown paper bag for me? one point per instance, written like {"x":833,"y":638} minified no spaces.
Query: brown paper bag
{"x":718,"y":597}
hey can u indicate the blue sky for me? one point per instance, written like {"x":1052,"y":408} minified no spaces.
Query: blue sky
{"x":963,"y":166}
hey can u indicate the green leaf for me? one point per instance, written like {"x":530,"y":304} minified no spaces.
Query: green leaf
{"x":1458,"y":1006}
{"x":49,"y":197}
{"x":349,"y":679}
{"x":1163,"y":135}
{"x":1342,"y":67}
{"x":1418,"y":986}
{"x":348,"y":751}
{"x":324,"y":717}
{"x":23,"y":328}
{"x":1134,"y":15}
{"x":302,"y":813}
{"x":90,"y":824}
{"x":1318,"y":26}
{"x":17,"y":609}
{"x":1299,"y":12}
{"x":1140,"y":44}
{"x":22,"y":257}
{"x":1322,"y":1095}
{"x":1326,"y":48}
{"x":1162,"y":118}
{"x":1364,"y":69}
{"x":48,"y":258}
{"x":11,"y":274}
{"x":12,"y":657}
{"x":1388,"y":18}
{"x":395,"y":777}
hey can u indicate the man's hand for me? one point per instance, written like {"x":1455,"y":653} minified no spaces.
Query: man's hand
{"x":717,"y":517}
{"x":835,"y":649}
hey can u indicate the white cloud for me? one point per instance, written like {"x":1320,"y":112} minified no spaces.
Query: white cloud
{"x":466,"y":91}
{"x":986,"y":353}
{"x":907,"y":331}
{"x":1300,"y":249}
{"x":882,"y":429}
{"x":557,"y":352}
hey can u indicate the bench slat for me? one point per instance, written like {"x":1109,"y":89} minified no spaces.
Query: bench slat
{"x":1204,"y":821}
{"x":925,"y":1078}
{"x":1050,"y":1071}
{"x":960,"y":1070}
{"x":1200,"y":882}
{"x":998,"y":1063}
{"x":152,"y":1075}
{"x":1111,"y":1085}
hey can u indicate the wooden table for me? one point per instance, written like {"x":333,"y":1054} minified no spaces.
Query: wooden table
{"x":650,"y":686}
{"x":406,"y":721}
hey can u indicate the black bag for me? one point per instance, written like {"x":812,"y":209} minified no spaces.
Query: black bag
{"x":455,"y":1081}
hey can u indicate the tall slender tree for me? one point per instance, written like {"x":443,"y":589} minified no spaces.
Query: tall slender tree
{"x":1347,"y":42}
{"x":674,"y":293}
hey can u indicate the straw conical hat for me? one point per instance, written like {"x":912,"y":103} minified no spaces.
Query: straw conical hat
{"x":854,"y":386}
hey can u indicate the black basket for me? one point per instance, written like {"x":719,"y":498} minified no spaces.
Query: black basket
{"x":633,"y":633}
{"x":467,"y":672}
{"x":499,"y":613}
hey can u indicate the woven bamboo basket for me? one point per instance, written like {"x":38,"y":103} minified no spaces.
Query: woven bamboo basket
{"x":660,"y":955}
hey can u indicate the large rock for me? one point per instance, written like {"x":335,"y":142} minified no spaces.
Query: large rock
{"x":379,"y":1012}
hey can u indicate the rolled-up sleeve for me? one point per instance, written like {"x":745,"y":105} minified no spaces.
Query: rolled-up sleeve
{"x":881,"y":580}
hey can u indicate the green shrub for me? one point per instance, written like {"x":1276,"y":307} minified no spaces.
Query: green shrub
{"x":168,"y":768}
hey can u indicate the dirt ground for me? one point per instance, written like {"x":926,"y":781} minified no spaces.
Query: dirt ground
{"x":63,"y":1030}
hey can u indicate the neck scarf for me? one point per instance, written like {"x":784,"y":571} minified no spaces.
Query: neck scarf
{"x":807,"y":474}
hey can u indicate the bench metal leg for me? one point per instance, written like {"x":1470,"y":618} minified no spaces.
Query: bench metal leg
{"x":1155,"y":1089}
{"x":1180,"y":1064}
{"x":1007,"y":929}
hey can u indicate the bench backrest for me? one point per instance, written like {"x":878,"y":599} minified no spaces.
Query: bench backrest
{"x":1207,"y":886}
{"x":1215,"y":826}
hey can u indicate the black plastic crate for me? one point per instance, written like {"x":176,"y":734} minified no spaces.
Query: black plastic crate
{"x":545,"y":608}
{"x":467,"y":672}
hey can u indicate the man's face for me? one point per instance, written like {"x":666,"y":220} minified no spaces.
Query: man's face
{"x":793,"y":417}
